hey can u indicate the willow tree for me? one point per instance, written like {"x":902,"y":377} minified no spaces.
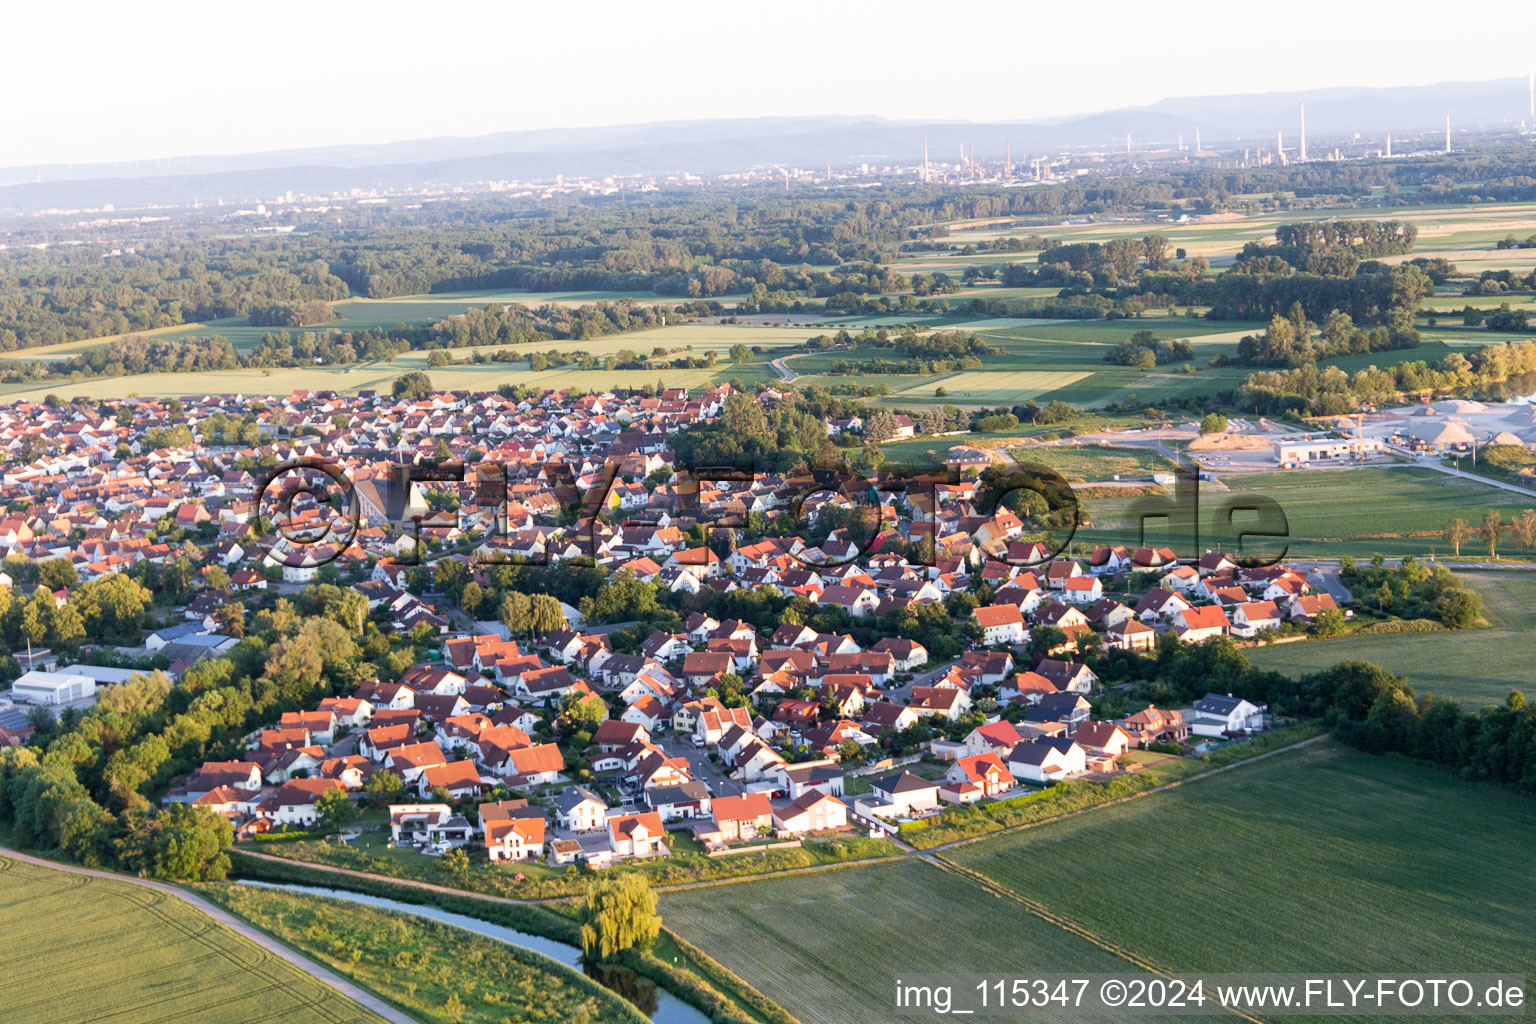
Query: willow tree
{"x":619,"y":913}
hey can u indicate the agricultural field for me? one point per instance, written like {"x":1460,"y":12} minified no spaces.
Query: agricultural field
{"x":89,"y":949}
{"x":1322,"y":858}
{"x":437,"y":973}
{"x":993,"y":387}
{"x":829,"y":946}
{"x":359,"y":376}
{"x":1476,"y":666}
{"x":1396,"y":510}
{"x":353,"y":315}
{"x":1084,"y":463}
{"x":1051,"y":360}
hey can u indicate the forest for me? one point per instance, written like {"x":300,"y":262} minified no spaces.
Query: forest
{"x":691,"y":244}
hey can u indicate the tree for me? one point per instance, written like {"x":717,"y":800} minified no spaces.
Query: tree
{"x":412,"y":387}
{"x":471,"y":596}
{"x":881,"y":426}
{"x":580,"y":712}
{"x":335,"y":808}
{"x":743,"y":417}
{"x":1214,"y":423}
{"x":618,"y":913}
{"x":57,"y":574}
{"x":456,"y":863}
{"x":113,"y":607}
{"x":383,"y":787}
{"x":545,"y":614}
{"x":1455,"y":532}
{"x":1525,"y":529}
{"x":229,"y":619}
{"x":516,"y":612}
{"x":182,"y":843}
{"x":1459,"y":609}
{"x":1328,"y":622}
{"x":1493,"y":528}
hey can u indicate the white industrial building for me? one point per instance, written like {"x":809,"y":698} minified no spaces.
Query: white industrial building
{"x":1287,"y":452}
{"x":53,"y":688}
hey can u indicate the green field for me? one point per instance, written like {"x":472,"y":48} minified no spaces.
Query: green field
{"x":1081,"y":463}
{"x":1321,"y":859}
{"x":421,"y":965}
{"x":1477,"y":666}
{"x":1052,"y":360}
{"x":994,"y":387}
{"x":88,"y":949}
{"x":829,"y":946}
{"x":1394,"y":511}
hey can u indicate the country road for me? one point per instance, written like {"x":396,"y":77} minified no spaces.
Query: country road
{"x":324,"y":976}
{"x":784,"y":371}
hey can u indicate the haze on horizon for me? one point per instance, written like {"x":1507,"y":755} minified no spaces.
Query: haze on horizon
{"x":108,"y":84}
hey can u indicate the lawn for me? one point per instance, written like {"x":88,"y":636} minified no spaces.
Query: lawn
{"x":829,"y":946}
{"x":1397,"y":510}
{"x":89,"y":949}
{"x":437,"y":973}
{"x":1322,"y":859}
{"x":1476,"y":666}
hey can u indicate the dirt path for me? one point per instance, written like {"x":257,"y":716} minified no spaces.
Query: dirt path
{"x":321,"y":974}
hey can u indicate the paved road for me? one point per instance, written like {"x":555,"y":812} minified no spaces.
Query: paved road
{"x":699,"y":763}
{"x":1327,"y":577}
{"x":271,"y":945}
{"x":784,"y":370}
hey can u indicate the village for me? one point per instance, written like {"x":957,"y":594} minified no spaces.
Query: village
{"x":558,"y":747}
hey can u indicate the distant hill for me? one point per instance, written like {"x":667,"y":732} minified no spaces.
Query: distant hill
{"x":725,"y":145}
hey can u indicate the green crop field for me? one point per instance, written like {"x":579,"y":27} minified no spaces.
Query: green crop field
{"x":89,"y":949}
{"x":1476,"y":666}
{"x":994,"y":387}
{"x":828,"y":947}
{"x":1321,"y":859}
{"x":1398,"y":510}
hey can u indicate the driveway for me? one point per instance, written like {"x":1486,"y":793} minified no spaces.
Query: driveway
{"x":309,"y":967}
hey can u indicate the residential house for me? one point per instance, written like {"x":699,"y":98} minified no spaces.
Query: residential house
{"x":1219,"y":715}
{"x":742,"y":817}
{"x":811,"y":812}
{"x":578,"y":809}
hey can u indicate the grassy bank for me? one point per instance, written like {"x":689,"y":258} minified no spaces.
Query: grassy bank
{"x":435,"y":972}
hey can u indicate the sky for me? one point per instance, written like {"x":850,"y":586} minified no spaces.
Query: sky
{"x":106,"y":82}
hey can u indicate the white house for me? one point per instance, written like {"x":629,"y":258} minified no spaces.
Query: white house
{"x":1225,"y":715}
{"x":1047,"y":759}
{"x":579,"y":809}
{"x":1001,"y":624}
